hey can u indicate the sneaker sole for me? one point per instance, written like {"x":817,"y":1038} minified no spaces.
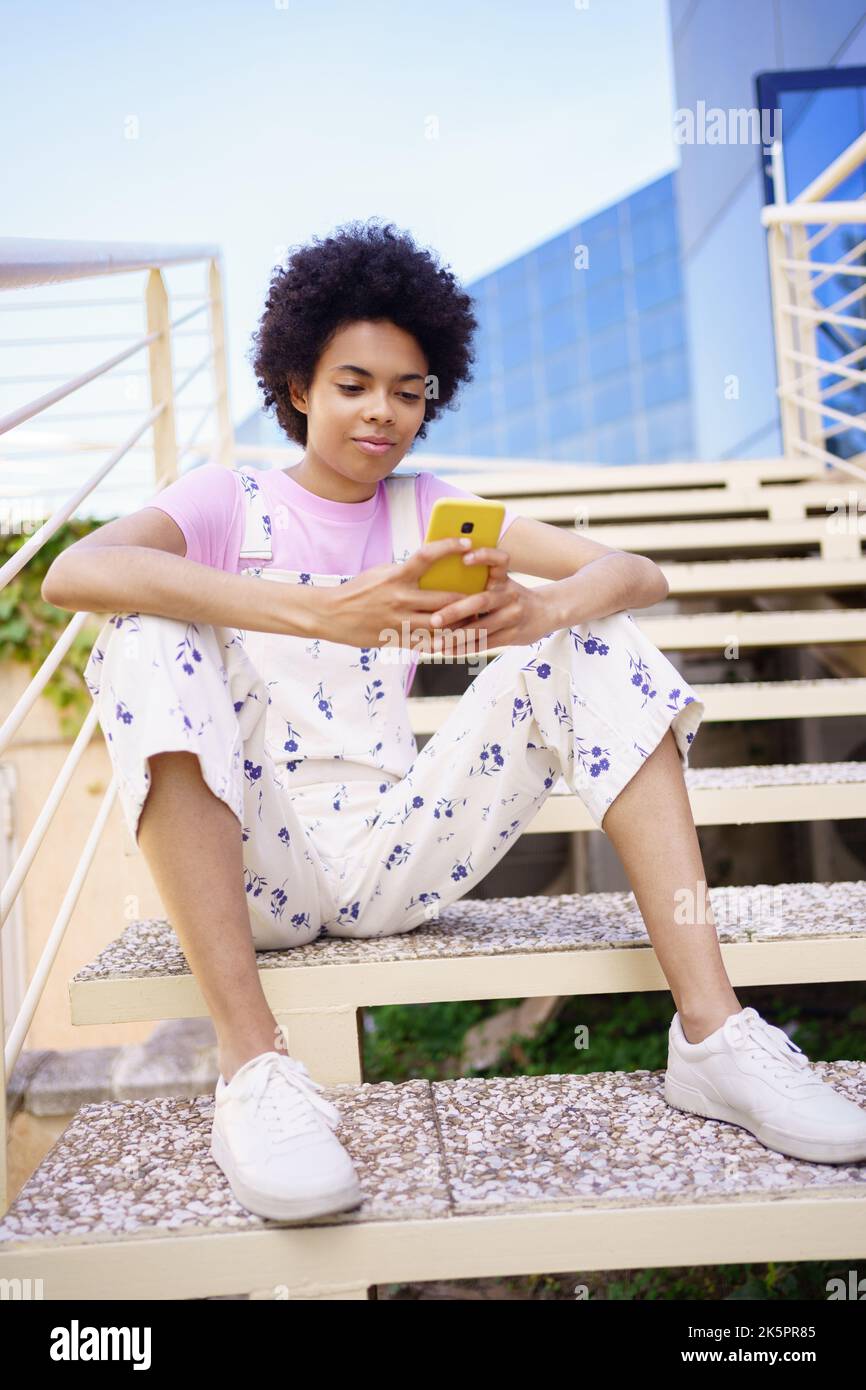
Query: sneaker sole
{"x":688,"y":1098}
{"x":283,"y":1208}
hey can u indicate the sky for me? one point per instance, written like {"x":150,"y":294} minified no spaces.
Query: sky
{"x":482,"y":128}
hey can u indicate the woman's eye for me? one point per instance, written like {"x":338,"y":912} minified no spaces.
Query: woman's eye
{"x":407,"y":395}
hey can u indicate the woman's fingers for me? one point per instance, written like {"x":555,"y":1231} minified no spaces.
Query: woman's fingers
{"x":419,"y":562}
{"x":487,"y":601}
{"x":487,"y":555}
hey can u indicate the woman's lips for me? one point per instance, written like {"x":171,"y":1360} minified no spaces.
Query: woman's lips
{"x":370,"y":448}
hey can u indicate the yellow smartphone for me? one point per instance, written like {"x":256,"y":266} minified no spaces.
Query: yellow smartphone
{"x":481,"y":521}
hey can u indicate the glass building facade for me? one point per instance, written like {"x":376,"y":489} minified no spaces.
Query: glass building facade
{"x":720,"y":47}
{"x":645,"y":332}
{"x":581,"y":352}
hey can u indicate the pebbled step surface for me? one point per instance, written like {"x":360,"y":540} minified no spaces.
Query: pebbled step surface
{"x":425,"y":1150}
{"x":496,"y":926}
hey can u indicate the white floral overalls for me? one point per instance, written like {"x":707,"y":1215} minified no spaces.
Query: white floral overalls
{"x":347,"y":830}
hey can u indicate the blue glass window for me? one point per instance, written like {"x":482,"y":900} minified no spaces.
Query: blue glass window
{"x":516,"y":345}
{"x":608,"y":352}
{"x":604,"y":257}
{"x":567,"y":415}
{"x":484,"y":441}
{"x":616,"y":444}
{"x":656,"y":282}
{"x":654,"y":234}
{"x":605,"y":306}
{"x":669,"y":431}
{"x":657,"y":194}
{"x":521,"y":434}
{"x":518,"y":390}
{"x":665,"y":379}
{"x":559,"y":327}
{"x":561,"y":373}
{"x":478,"y":403}
{"x":662,"y":330}
{"x":612,"y":401}
{"x":555,"y":284}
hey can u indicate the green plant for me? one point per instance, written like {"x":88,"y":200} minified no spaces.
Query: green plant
{"x":29,"y":626}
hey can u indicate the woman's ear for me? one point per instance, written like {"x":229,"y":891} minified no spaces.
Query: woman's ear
{"x":297,"y":398}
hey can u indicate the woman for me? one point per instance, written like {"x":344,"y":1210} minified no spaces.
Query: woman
{"x":254,"y":707}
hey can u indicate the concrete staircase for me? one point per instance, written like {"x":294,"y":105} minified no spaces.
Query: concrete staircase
{"x":511,"y":1175}
{"x":461,"y":1178}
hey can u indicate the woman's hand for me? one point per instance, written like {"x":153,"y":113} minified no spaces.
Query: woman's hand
{"x":383,"y":606}
{"x":503,"y":614}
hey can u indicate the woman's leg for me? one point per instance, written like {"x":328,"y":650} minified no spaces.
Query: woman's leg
{"x":192,"y":843}
{"x":587,"y":704}
{"x":183,"y":711}
{"x":651,"y":827}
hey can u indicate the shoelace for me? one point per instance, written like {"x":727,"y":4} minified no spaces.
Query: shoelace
{"x":753,"y":1034}
{"x":283,"y":1090}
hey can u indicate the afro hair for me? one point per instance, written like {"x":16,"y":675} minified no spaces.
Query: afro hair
{"x":361,"y":272}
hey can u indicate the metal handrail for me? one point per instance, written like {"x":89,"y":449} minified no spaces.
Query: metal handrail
{"x":24,"y":1017}
{"x":835,"y":173}
{"x":28,"y":264}
{"x":27,"y":700}
{"x":15,"y":881}
{"x":809,"y":422}
{"x":33,"y":408}
{"x":28,"y":261}
{"x":17,"y":562}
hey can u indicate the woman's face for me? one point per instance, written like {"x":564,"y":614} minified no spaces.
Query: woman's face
{"x":369,"y":381}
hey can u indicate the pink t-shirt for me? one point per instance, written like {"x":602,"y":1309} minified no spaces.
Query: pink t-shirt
{"x":322,"y":537}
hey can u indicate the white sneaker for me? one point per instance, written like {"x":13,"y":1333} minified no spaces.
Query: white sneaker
{"x":750,"y":1073}
{"x":273,"y":1137}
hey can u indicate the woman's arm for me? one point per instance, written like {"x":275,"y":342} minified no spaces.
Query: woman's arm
{"x":584,"y":571}
{"x":137,"y":564}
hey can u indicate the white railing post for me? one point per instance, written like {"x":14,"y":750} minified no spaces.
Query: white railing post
{"x":161,"y":379}
{"x":224,"y":429}
{"x":784,"y":328}
{"x":805,"y":333}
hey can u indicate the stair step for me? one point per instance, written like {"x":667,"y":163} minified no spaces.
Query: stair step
{"x":710,"y":533}
{"x":715,"y":631}
{"x":714,"y":578}
{"x":461,"y":1178}
{"x":540,"y":480}
{"x":752,"y":795}
{"x":504,"y":947}
{"x":725,"y":701}
{"x":668,"y":506}
{"x":777,"y":775}
{"x":687,"y":632}
{"x":509,"y":477}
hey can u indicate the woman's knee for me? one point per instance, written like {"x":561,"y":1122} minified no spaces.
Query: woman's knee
{"x":150,"y":646}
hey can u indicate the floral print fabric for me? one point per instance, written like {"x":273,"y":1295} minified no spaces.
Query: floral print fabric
{"x":371,"y":856}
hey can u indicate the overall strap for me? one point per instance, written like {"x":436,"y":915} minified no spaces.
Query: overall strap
{"x":257,"y":523}
{"x":406,"y":535}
